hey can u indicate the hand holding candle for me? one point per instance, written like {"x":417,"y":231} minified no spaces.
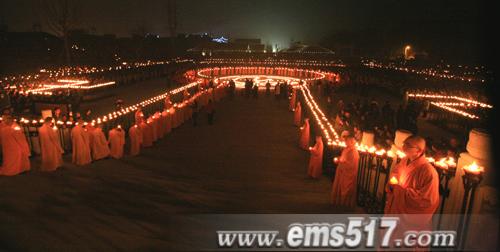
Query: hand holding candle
{"x":392,"y":182}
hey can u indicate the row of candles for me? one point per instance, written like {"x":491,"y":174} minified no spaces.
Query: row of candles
{"x":449,"y":97}
{"x":115,"y":114}
{"x":449,"y":106}
{"x":281,"y":62}
{"x":282,"y":71}
{"x":426,"y":72}
{"x":71,"y":84}
{"x":68,"y":71}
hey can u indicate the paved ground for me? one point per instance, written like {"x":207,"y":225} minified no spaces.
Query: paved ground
{"x":247,"y":162}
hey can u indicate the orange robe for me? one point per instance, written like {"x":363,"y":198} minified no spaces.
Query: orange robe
{"x":139,"y":116}
{"x":173,"y":114}
{"x":99,"y":144}
{"x":344,"y":184}
{"x":315,"y":167}
{"x":116,"y":142}
{"x":80,"y":140}
{"x":147,"y":134}
{"x":153,"y":124}
{"x":417,"y":197}
{"x":15,"y":151}
{"x":160,"y":126}
{"x":297,"y":115}
{"x":135,"y":135}
{"x":167,"y":121}
{"x":50,"y":148}
{"x":2,"y":125}
{"x":293,"y":99}
{"x":304,"y":135}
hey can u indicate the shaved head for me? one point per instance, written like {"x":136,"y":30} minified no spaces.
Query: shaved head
{"x":416,"y":141}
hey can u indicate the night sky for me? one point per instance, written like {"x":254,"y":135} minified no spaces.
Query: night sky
{"x":273,"y":21}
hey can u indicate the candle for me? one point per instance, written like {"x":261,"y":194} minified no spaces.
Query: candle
{"x":336,"y":160}
{"x":442,"y":163}
{"x":474,"y":168}
{"x":451,"y":162}
{"x":393,"y":181}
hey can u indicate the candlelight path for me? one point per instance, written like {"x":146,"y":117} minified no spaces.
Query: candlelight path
{"x":247,"y":162}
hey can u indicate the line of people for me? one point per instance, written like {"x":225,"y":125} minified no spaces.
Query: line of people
{"x":88,"y":140}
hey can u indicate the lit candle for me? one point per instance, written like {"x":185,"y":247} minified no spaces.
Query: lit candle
{"x":473,"y":168}
{"x":336,"y":160}
{"x":393,"y":181}
{"x":442,"y":163}
{"x":451,"y":162}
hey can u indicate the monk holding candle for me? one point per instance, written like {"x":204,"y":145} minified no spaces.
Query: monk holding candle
{"x":147,"y":134}
{"x":304,"y":135}
{"x":413,"y":190}
{"x":344,"y":184}
{"x":293,"y":99}
{"x":297,"y":115}
{"x":135,"y":135}
{"x":50,"y":146}
{"x":139,"y":116}
{"x":116,"y":142}
{"x":99,"y":144}
{"x":15,"y":148}
{"x":80,"y":140}
{"x":315,"y":167}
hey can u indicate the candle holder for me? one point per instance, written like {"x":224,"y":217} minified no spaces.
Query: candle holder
{"x":445,"y":174}
{"x":387,"y":171}
{"x":471,"y":179}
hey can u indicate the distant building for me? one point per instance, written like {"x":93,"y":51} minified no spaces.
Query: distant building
{"x":231,"y":46}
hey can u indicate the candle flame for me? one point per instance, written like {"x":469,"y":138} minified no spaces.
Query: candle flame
{"x":393,"y":181}
{"x":474,"y":168}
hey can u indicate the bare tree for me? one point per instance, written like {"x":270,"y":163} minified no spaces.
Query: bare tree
{"x":60,"y":17}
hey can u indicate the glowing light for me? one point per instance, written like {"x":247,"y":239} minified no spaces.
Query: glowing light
{"x":393,"y":181}
{"x":474,"y":168}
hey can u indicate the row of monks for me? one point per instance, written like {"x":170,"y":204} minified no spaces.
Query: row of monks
{"x":412,"y":194}
{"x":89,"y":142}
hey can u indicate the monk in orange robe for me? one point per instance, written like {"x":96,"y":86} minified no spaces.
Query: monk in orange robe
{"x":160,"y":125}
{"x":152,"y":122}
{"x":304,"y":135}
{"x":15,"y":148}
{"x":315,"y":167}
{"x":139,"y":116}
{"x":99,"y":145}
{"x":173,"y":114}
{"x":414,"y":195}
{"x":167,"y":121}
{"x":293,"y":100}
{"x":50,"y":146}
{"x":168,"y":103}
{"x":80,"y":140}
{"x":135,"y":135}
{"x":297,"y":115}
{"x":147,"y":134}
{"x":344,"y":184}
{"x":116,"y":142}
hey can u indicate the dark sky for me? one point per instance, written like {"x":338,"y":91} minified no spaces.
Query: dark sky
{"x":277,"y":21}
